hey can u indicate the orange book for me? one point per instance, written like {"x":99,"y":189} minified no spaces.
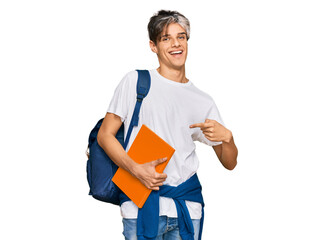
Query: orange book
{"x":146,"y":147}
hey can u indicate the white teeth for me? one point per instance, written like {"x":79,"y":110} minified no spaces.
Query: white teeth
{"x":177,"y":52}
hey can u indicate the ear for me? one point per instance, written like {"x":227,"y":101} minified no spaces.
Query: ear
{"x":153,"y":47}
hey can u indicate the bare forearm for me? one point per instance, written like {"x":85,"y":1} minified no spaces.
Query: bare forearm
{"x":229,"y":154}
{"x":227,"y":151}
{"x":144,"y":172}
{"x":116,"y":152}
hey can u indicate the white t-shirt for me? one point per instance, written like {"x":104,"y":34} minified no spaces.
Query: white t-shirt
{"x":169,"y":109}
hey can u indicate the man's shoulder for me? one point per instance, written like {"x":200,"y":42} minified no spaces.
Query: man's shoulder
{"x":201,"y":93}
{"x":129,"y":76}
{"x":129,"y":80}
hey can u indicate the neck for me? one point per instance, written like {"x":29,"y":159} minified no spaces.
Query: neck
{"x":177,"y":75}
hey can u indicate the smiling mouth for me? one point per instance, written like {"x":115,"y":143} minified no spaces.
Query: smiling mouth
{"x":176,"y":52}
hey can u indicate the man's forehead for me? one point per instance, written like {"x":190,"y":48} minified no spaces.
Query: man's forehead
{"x":176,"y":29}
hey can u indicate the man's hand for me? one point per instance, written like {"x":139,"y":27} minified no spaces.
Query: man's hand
{"x":148,"y":176}
{"x":214,"y":131}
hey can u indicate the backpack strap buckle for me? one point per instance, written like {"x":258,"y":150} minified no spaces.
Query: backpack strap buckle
{"x":139,"y":97}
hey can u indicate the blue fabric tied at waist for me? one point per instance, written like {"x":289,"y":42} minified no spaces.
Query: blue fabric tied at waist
{"x":148,"y":215}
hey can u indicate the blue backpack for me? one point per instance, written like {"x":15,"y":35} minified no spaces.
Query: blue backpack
{"x":100,"y":168}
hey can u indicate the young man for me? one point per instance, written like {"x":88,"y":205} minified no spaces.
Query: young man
{"x":179,"y":113}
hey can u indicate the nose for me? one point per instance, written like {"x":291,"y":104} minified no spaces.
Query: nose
{"x":175,"y":42}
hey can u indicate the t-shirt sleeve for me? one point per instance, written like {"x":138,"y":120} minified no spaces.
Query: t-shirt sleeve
{"x":213,"y":114}
{"x":119,"y":104}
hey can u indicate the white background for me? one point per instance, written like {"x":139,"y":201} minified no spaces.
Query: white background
{"x":60,"y":62}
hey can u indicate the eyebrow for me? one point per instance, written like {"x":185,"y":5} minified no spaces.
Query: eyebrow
{"x":167,"y":35}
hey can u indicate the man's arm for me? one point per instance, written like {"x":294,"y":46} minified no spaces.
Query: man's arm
{"x":144,"y":172}
{"x":227,"y":151}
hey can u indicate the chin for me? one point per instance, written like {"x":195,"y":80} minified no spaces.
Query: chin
{"x":177,"y":67}
{"x":178,"y":64}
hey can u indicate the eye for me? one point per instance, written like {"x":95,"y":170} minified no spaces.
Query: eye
{"x":165,"y":39}
{"x":182,"y":37}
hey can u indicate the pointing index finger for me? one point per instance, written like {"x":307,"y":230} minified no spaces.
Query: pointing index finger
{"x":197,"y":125}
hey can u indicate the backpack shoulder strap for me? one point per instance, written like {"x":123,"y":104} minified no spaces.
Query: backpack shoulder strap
{"x":142,"y":90}
{"x":143,"y":85}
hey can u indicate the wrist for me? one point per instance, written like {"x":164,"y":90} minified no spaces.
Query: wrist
{"x":133,"y":168}
{"x":229,"y":137}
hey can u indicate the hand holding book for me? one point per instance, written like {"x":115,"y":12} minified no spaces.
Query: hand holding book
{"x":152,"y":154}
{"x":148,"y":175}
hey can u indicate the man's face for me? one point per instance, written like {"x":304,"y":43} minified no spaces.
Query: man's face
{"x":172,"y":47}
